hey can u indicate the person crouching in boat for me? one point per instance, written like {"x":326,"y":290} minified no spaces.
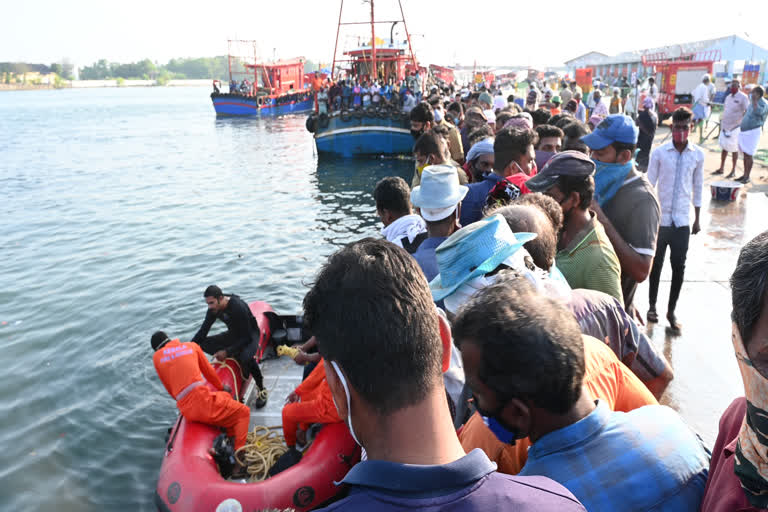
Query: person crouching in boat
{"x":311,"y":402}
{"x":241,"y":340}
{"x":184,"y":370}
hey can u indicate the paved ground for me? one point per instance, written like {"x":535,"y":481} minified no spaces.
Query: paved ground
{"x":707,"y":377}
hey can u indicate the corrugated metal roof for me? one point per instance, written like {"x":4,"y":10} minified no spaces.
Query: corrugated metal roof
{"x":672,"y":50}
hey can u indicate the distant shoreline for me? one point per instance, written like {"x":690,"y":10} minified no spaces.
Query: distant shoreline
{"x":97,"y":84}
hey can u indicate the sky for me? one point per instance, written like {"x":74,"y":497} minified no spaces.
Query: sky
{"x":490,"y":32}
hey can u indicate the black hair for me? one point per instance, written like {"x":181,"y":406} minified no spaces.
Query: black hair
{"x":759,"y":90}
{"x":504,"y":116}
{"x":392,"y":193}
{"x":434,"y":100}
{"x":158,"y":340}
{"x":428,"y":143}
{"x":213,"y":291}
{"x":749,"y":284}
{"x":511,"y":98}
{"x":371,"y":311}
{"x":546,"y":204}
{"x":511,"y":144}
{"x":682,"y":114}
{"x":524,"y":218}
{"x":422,"y":113}
{"x":623,"y":146}
{"x":585,"y":187}
{"x":557,"y":117}
{"x":573,"y":132}
{"x":548,"y":130}
{"x":481,"y":132}
{"x":541,"y":116}
{"x":531,"y":345}
{"x":651,"y":79}
{"x":456,"y":106}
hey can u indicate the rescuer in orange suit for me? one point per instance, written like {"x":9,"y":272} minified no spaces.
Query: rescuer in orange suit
{"x":311,"y":402}
{"x":184,"y":370}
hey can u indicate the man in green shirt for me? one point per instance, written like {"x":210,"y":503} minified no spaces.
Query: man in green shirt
{"x":585,"y":255}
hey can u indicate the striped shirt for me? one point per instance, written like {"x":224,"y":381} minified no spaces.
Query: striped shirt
{"x":590,"y":262}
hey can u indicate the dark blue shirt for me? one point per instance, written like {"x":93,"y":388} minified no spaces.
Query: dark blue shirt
{"x":426,"y":257}
{"x":467,"y":484}
{"x":645,"y":459}
{"x":474,"y":202}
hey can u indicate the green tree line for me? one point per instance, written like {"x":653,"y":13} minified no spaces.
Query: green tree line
{"x":202,"y":67}
{"x":188,"y":68}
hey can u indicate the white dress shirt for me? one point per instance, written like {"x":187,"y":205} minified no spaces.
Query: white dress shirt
{"x":678,"y":178}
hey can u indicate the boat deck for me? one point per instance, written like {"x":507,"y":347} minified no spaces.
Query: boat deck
{"x":281,"y":376}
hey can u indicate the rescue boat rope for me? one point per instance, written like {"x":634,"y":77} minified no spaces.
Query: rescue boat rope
{"x":223,"y":364}
{"x":262,"y":449}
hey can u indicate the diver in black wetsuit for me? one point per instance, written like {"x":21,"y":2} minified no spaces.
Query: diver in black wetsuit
{"x":241,"y":340}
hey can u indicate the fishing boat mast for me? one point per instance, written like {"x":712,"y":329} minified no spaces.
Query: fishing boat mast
{"x":373,"y":22}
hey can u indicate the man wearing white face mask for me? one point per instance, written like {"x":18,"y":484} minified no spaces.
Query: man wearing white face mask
{"x":454,"y":138}
{"x":375,"y":323}
{"x":738,"y":474}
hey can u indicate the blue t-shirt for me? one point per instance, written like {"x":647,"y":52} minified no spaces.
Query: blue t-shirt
{"x":645,"y":459}
{"x":475,"y":200}
{"x":467,"y":484}
{"x":426,"y":258}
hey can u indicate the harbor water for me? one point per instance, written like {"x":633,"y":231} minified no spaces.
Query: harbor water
{"x":119,"y":206}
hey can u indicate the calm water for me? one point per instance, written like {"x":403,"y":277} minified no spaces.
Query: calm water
{"x":118,"y":207}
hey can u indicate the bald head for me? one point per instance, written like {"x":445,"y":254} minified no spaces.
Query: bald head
{"x":532,"y":219}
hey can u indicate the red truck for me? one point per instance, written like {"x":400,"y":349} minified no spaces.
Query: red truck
{"x":676,"y":77}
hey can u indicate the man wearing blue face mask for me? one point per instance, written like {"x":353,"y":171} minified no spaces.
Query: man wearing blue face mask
{"x":523,"y":358}
{"x":383,"y":341}
{"x":625,"y":202}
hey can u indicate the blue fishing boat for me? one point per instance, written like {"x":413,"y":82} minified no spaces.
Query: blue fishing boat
{"x":353,"y":128}
{"x":236,"y":104}
{"x":364,"y":133}
{"x":262,"y":88}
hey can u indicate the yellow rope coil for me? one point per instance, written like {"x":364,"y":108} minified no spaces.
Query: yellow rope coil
{"x":262,"y":449}
{"x":285,"y":350}
{"x":224,"y":364}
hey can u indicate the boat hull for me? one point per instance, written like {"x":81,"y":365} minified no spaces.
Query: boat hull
{"x":364,"y":134}
{"x":238,"y":105}
{"x":189,"y":479}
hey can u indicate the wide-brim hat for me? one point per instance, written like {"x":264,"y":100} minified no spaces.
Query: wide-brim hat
{"x":473,"y":251}
{"x":439,"y":192}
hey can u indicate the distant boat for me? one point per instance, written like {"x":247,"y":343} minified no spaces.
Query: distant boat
{"x":381,"y":129}
{"x":263,"y":88}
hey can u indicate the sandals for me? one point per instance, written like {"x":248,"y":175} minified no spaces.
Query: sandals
{"x":730,"y":176}
{"x":652,"y":316}
{"x":743,"y":179}
{"x":719,"y":171}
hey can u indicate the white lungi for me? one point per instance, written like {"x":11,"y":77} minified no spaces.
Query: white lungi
{"x":749,"y":140}
{"x":731,"y":143}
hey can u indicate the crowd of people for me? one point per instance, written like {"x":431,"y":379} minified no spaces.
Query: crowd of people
{"x":486,"y":351}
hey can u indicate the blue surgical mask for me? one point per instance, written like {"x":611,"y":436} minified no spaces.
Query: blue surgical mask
{"x":438,"y":115}
{"x":501,"y":433}
{"x":609,"y":177}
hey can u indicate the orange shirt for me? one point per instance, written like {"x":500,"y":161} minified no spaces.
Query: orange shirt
{"x":180,"y":364}
{"x":315,"y":388}
{"x":605,"y":377}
